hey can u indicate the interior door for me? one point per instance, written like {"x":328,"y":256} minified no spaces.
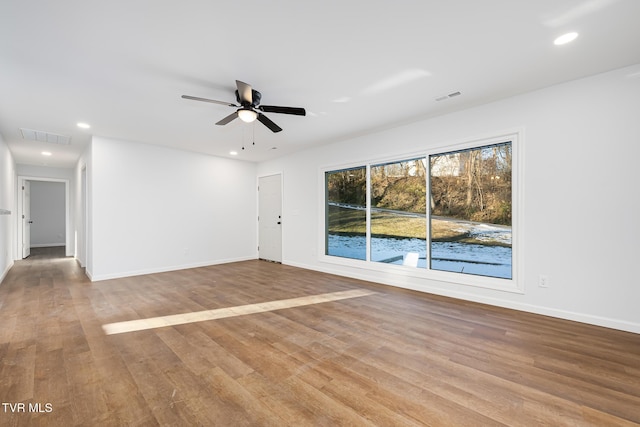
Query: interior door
{"x":270,"y":218}
{"x":26,"y":219}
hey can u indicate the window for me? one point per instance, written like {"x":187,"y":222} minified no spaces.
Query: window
{"x":346,"y":215}
{"x":446,"y":211}
{"x":470,"y":222}
{"x":398,"y":212}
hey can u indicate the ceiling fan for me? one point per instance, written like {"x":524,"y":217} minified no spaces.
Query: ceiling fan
{"x":250,"y":109}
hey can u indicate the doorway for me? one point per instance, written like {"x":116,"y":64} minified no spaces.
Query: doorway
{"x":270,"y":218}
{"x":26,"y":219}
{"x":52,"y":228}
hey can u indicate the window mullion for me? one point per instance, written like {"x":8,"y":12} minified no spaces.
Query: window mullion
{"x":428,"y":213}
{"x":368,"y":216}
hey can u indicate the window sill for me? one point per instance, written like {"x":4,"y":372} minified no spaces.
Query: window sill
{"x":401,"y":271}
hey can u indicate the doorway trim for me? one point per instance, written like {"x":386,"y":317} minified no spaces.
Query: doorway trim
{"x":67,"y":219}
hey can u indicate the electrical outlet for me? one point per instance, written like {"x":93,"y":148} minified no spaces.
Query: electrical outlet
{"x":543,"y":282}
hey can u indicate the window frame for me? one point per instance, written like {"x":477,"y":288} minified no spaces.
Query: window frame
{"x":514,"y":285}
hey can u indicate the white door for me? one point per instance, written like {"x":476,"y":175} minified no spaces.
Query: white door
{"x":270,"y":218}
{"x":26,"y":219}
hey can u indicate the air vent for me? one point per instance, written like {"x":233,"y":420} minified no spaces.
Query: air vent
{"x":451,"y":95}
{"x":41,"y":136}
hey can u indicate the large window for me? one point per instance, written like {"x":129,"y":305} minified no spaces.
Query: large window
{"x":445,"y":211}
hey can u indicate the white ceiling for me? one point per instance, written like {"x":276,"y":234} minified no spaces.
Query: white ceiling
{"x":356,"y":65}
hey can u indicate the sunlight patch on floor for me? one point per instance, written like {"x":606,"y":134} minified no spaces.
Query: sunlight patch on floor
{"x":221,"y":313}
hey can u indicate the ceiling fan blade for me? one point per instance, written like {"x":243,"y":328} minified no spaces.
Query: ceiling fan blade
{"x":228,"y":119}
{"x":283,"y":110}
{"x":213,"y":101}
{"x":245,"y":92}
{"x":268,"y":123}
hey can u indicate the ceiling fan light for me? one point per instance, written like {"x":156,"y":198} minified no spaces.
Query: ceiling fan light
{"x":247,"y":116}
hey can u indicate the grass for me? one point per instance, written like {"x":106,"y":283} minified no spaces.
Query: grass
{"x":353,"y":222}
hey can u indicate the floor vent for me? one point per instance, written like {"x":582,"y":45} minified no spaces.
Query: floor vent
{"x":41,"y":136}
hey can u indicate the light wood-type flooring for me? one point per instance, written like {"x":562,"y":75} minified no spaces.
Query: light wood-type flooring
{"x":261,"y":344}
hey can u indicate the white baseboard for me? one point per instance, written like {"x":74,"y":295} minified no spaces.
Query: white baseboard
{"x":529,"y":308}
{"x":47,"y":245}
{"x":119,"y":275}
{"x":4,"y":273}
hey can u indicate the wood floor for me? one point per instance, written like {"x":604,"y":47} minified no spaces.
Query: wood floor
{"x":384,"y":357}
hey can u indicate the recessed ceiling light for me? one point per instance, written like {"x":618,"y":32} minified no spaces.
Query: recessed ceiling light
{"x":46,"y":153}
{"x":565,"y":38}
{"x":233,"y":153}
{"x":83,"y":125}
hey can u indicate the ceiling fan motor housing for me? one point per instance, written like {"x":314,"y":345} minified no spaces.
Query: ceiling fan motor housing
{"x":255,"y":95}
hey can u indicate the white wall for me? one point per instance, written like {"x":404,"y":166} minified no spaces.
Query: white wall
{"x":47,"y":213}
{"x":7,"y":203}
{"x":156,"y":209}
{"x":580,"y":221}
